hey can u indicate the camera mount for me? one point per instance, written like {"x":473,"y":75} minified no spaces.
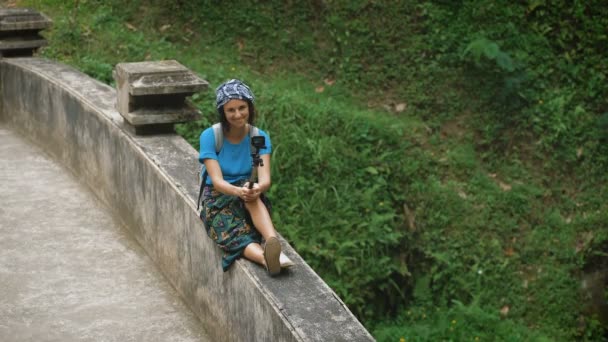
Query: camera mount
{"x":257,"y":142}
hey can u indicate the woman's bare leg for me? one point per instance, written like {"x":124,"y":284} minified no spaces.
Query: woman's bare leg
{"x":261,"y":218}
{"x":255,"y":253}
{"x":271,"y":253}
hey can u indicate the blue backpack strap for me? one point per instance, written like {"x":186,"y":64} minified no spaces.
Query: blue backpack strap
{"x":218,"y":133}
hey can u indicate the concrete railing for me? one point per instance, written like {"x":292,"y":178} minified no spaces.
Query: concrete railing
{"x":150,"y":184}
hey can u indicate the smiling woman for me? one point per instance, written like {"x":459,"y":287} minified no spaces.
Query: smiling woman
{"x":236,"y":212}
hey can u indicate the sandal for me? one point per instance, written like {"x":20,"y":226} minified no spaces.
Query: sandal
{"x":272,"y":251}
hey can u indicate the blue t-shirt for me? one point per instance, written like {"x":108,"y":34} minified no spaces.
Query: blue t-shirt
{"x":234,"y":159}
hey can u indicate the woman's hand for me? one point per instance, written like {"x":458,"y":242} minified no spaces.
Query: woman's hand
{"x":249,"y":195}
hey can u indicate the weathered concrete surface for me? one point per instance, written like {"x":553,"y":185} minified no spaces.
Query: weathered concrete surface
{"x":68,"y":271}
{"x":23,"y":19}
{"x":151,"y":93}
{"x":150,"y":183}
{"x":158,"y":77}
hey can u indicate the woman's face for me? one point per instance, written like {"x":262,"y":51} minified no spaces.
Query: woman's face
{"x":237,"y":113}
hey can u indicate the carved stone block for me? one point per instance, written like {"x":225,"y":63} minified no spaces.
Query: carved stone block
{"x":19,"y":31}
{"x":154,"y":94}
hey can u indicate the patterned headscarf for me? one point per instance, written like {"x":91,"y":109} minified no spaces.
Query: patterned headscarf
{"x":230,"y":90}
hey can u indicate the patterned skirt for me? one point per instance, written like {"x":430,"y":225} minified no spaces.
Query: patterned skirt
{"x":228,"y":223}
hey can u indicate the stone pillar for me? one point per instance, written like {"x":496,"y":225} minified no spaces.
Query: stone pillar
{"x":151,"y":96}
{"x":19,"y":31}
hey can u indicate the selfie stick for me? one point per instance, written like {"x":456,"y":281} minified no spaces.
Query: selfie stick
{"x":257,"y":142}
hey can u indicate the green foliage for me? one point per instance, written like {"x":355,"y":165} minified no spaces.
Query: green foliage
{"x":486,"y":194}
{"x":490,"y":50}
{"x":459,"y":322}
{"x":546,"y":53}
{"x":603,"y":128}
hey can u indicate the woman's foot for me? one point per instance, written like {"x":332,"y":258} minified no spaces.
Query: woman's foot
{"x":285,"y":261}
{"x":272,"y":252}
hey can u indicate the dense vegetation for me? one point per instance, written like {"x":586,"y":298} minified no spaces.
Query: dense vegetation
{"x":441,"y":164}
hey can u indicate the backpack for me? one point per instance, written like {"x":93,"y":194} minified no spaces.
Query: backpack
{"x":218,"y":133}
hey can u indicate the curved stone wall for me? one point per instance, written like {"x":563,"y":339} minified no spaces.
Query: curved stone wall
{"x":150,"y":184}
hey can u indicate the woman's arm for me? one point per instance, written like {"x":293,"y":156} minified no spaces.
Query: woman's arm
{"x":264,"y":182}
{"x":215,"y":172}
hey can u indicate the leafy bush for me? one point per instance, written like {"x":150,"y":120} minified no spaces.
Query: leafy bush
{"x":460,"y":322}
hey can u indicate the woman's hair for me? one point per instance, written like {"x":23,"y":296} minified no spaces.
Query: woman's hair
{"x":226,"y":124}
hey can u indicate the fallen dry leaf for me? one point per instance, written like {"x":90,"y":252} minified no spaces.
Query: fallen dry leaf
{"x":400,"y":107}
{"x":504,"y":311}
{"x":320,"y":89}
{"x":164,"y":27}
{"x":329,"y":82}
{"x":584,"y":241}
{"x":130,"y":27}
{"x":504,"y":186}
{"x":411,"y":220}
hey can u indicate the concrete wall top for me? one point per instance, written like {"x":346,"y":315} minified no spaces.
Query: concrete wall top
{"x":150,"y":184}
